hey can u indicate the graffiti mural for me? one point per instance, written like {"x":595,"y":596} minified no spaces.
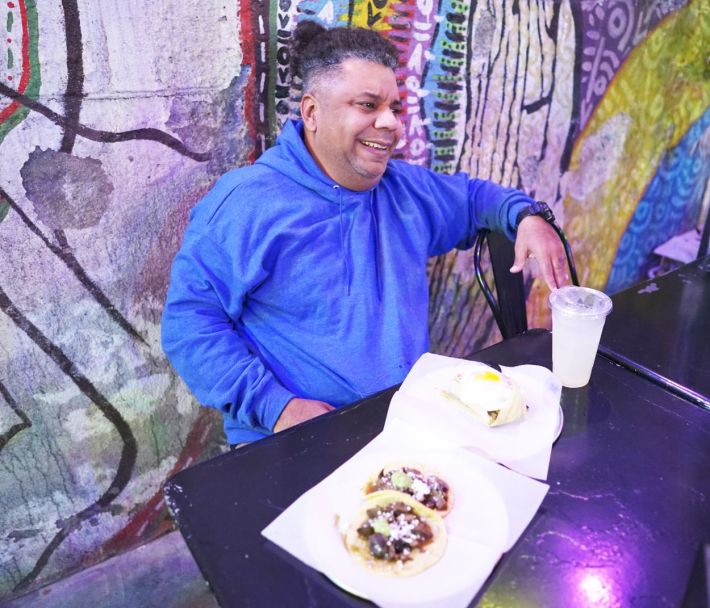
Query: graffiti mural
{"x":627,"y":150}
{"x":115,"y":118}
{"x":636,"y":167}
{"x":92,"y":417}
{"x":21,"y":70}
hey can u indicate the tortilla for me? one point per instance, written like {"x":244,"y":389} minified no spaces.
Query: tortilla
{"x":489,"y":395}
{"x":392,"y":519}
{"x":418,"y":481}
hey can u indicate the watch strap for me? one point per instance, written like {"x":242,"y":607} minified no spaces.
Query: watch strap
{"x":540,"y":208}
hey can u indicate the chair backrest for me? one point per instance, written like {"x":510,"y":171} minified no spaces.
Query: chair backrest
{"x":509,"y":308}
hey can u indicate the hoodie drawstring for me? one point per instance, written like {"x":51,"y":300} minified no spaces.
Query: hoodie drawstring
{"x":343,"y":241}
{"x":378,"y":273}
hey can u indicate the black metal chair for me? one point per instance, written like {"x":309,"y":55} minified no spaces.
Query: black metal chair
{"x":509,"y":308}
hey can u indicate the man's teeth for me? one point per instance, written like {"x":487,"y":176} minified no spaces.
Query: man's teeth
{"x":372,"y":144}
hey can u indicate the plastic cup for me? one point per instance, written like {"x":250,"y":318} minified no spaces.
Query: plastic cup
{"x":578,"y":315}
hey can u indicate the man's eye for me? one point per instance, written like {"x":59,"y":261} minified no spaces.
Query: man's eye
{"x":367,"y":104}
{"x":396,"y":110}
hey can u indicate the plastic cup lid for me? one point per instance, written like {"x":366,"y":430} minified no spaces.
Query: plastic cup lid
{"x":580,"y":301}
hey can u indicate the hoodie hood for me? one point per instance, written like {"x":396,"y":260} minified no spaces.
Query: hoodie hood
{"x":291,"y":157}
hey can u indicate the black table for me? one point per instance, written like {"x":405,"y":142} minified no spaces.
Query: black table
{"x":661,"y":329}
{"x":627,"y":510}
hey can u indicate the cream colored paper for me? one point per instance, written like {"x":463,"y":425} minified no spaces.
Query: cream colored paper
{"x":523,"y":445}
{"x":492,"y":506}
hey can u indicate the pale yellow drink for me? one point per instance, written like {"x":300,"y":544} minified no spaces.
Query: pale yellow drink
{"x":578,"y":315}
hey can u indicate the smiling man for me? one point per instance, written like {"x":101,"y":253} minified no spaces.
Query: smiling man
{"x":301,"y":281}
{"x":352,"y":125}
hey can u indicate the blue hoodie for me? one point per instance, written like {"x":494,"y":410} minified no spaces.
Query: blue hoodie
{"x":290,"y":285}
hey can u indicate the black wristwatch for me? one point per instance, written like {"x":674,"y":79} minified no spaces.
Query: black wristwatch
{"x":540,"y":208}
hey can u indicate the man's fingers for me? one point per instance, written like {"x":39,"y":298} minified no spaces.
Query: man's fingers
{"x":520,"y":257}
{"x":548,"y":273}
{"x":561,"y":272}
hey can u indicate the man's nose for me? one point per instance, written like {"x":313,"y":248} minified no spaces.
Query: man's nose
{"x":387,"y":119}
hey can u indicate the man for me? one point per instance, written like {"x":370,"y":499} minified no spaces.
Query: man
{"x":301,"y":282}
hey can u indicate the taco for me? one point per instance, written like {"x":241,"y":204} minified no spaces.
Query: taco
{"x":422,"y":485}
{"x":489,"y":395}
{"x":394,"y":535}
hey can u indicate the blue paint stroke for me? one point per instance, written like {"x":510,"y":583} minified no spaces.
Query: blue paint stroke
{"x":312,"y":9}
{"x":669,"y":207}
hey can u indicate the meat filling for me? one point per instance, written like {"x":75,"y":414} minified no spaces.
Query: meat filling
{"x":393,"y":531}
{"x":429,"y":490}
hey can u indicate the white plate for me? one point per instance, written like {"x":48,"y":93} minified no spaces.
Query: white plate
{"x":560,"y":425}
{"x":477,"y":528}
{"x":422,"y":403}
{"x":492,"y":506}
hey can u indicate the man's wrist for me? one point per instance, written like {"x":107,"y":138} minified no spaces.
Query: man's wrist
{"x":274,"y":402}
{"x":539,"y":208}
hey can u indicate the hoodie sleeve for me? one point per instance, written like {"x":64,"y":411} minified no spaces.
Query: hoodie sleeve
{"x":458,"y":206}
{"x":494,"y":207}
{"x":201,"y":339}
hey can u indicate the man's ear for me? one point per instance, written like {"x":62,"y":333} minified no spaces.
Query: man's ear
{"x":309,"y":107}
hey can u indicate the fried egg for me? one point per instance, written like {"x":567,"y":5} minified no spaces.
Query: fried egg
{"x":488,"y":394}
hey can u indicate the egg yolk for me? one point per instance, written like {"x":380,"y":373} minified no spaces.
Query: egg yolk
{"x":493,"y":377}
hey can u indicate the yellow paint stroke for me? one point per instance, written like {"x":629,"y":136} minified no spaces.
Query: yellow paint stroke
{"x":361,"y":13}
{"x":662,"y":88}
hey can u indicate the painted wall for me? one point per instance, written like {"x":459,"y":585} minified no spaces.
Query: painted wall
{"x":117,"y":115}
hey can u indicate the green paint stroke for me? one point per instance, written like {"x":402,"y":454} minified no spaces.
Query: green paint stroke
{"x":270,"y":101}
{"x":33,"y":86}
{"x":10,"y":59}
{"x":4,"y":208}
{"x":10,"y":18}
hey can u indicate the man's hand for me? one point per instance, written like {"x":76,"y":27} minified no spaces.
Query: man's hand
{"x":537,"y":239}
{"x":299,"y":410}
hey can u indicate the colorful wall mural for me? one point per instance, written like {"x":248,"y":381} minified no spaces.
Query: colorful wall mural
{"x":116,"y":117}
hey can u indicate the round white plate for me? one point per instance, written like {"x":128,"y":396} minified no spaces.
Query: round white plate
{"x":433,"y":410}
{"x":477,"y":531}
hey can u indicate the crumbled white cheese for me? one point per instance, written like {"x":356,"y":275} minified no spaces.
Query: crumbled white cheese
{"x":420,"y":489}
{"x":401,"y":529}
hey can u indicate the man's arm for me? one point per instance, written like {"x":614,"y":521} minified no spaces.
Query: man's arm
{"x":201,"y":339}
{"x":497,"y":208}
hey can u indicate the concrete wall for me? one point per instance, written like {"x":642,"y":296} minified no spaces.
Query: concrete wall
{"x":117,"y":115}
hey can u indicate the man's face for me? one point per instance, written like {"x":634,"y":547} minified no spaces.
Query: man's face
{"x":352,"y":122}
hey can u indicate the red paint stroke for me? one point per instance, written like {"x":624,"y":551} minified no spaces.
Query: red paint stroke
{"x":151,"y":520}
{"x":412,"y":33}
{"x":25,"y":77}
{"x":249,"y":58}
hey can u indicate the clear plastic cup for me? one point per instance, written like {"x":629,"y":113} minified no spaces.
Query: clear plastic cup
{"x":578,"y":316}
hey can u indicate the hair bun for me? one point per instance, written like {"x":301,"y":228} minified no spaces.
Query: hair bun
{"x":304,"y":32}
{"x":316,"y":49}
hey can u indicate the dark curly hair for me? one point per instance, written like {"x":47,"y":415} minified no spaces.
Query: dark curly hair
{"x":316,"y":50}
